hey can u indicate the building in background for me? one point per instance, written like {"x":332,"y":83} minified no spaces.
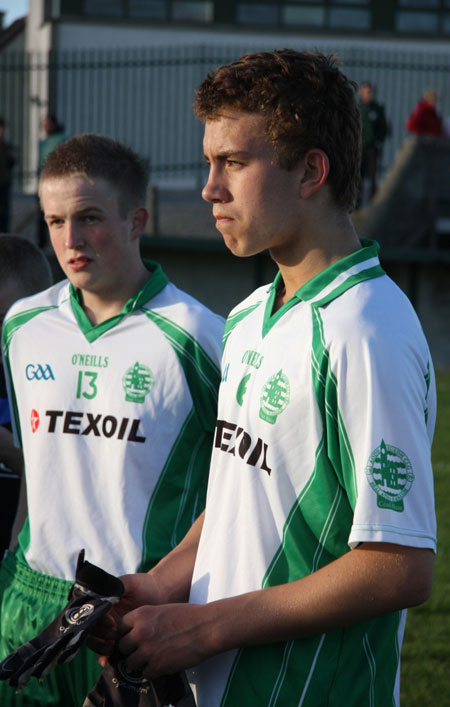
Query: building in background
{"x":128,"y":68}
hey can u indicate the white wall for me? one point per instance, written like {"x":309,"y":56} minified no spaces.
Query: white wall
{"x":92,"y":35}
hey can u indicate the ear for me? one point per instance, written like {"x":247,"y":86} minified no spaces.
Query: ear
{"x":316,"y":168}
{"x":139,"y":218}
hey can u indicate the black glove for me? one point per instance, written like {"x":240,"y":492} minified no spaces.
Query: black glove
{"x":118,"y":686}
{"x":92,"y":596}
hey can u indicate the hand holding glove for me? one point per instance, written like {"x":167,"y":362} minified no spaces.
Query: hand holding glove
{"x":92,"y":596}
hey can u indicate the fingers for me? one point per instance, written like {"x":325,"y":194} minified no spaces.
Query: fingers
{"x":103,"y":635}
{"x":135,"y":631}
{"x":101,"y":647}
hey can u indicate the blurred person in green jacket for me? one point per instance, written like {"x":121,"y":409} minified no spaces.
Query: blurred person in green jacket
{"x":374,"y":130}
{"x":54,"y":134}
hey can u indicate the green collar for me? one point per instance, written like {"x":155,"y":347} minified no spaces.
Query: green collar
{"x":151,"y":288}
{"x":363,"y":264}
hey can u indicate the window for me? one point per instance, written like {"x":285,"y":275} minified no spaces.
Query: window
{"x":103,"y":8}
{"x":148,"y":9}
{"x":349,"y":19}
{"x":193,"y":11}
{"x":417,"y":22}
{"x":419,"y":3}
{"x":257,"y":14}
{"x":303,"y":16}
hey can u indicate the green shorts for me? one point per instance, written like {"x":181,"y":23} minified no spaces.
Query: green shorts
{"x":29,"y":601}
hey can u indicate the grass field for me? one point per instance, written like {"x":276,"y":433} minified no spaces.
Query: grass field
{"x":425,"y":678}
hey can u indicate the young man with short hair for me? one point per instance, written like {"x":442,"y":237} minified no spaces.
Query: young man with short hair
{"x":319,"y":528}
{"x":113,"y":377}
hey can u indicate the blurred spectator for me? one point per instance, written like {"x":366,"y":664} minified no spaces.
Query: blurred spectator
{"x":54,"y":135}
{"x":424,"y":120}
{"x":8,"y":157}
{"x":24,"y":270}
{"x":446,"y":127}
{"x":373,"y":134}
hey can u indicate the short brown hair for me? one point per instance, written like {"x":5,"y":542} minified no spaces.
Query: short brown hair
{"x":307,"y":102}
{"x":100,"y":157}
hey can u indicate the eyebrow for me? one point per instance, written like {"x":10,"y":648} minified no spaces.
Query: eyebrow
{"x":87,"y":209}
{"x":226,"y":154}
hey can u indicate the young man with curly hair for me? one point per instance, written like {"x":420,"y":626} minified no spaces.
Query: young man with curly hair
{"x":319,"y":528}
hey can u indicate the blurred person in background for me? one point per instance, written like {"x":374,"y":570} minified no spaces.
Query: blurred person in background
{"x":424,"y":119}
{"x":8,"y":158}
{"x":54,"y":134}
{"x":374,"y":130}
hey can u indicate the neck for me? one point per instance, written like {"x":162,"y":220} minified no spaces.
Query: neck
{"x":100,"y":306}
{"x":315,"y":254}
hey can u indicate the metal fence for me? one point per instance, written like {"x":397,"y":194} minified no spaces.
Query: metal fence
{"x":143,"y":96}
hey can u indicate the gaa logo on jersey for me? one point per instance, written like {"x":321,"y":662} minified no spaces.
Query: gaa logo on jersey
{"x":75,"y":617}
{"x":390,"y":475}
{"x":39,"y":372}
{"x":137,"y":382}
{"x":275,"y":397}
{"x":34,"y":420}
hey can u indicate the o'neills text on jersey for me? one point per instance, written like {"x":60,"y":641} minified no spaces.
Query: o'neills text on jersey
{"x":90,"y":360}
{"x":235,"y":440}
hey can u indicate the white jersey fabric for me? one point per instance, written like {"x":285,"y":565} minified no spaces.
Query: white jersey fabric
{"x":326,"y":416}
{"x":116,"y":423}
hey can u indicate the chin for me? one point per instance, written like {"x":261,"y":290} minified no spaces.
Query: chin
{"x":238,"y":248}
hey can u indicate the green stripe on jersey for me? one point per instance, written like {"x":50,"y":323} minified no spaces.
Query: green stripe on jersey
{"x":202,"y":374}
{"x":313,"y":672}
{"x":338,"y":449}
{"x":18,"y":320}
{"x":10,"y":327}
{"x":180,"y":493}
{"x":235,"y":318}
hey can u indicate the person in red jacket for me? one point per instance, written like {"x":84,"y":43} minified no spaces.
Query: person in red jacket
{"x":424,"y":120}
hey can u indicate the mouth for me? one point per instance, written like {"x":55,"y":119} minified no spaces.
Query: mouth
{"x":222,"y":218}
{"x":79,"y":263}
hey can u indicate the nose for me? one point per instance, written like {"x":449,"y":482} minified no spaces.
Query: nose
{"x":215,"y":190}
{"x":73,"y":236}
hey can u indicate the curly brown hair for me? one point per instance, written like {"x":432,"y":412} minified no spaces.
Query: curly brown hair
{"x":100,"y":157}
{"x":307,"y":102}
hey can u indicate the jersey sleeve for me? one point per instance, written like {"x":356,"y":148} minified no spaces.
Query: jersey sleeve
{"x":386,"y":413}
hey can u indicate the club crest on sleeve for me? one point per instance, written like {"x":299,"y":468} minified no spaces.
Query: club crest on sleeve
{"x":390,"y":475}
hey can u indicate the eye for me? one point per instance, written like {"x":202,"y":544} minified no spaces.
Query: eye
{"x":55,"y":222}
{"x":234,"y":163}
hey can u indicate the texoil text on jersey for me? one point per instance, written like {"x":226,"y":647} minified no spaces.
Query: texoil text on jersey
{"x":234,"y":440}
{"x":80,"y":423}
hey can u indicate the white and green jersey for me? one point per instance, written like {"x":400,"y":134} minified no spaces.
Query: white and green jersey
{"x":325,"y":420}
{"x":116,"y":422}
